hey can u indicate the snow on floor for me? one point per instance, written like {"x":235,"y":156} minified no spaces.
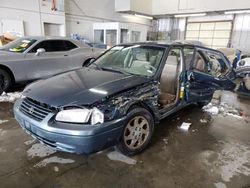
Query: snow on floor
{"x":40,"y":150}
{"x":116,"y":156}
{"x":3,"y":121}
{"x":222,"y":109}
{"x":10,"y":97}
{"x":54,"y":159}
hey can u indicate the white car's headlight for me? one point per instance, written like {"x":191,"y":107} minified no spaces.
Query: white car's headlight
{"x":74,"y":115}
{"x":80,"y":116}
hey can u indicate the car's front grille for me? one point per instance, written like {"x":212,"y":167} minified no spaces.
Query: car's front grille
{"x":34,"y":109}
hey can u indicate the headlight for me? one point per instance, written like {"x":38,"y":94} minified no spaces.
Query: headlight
{"x":74,"y":115}
{"x":97,"y":116}
{"x":80,"y":116}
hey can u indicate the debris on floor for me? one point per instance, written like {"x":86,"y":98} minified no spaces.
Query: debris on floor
{"x":54,"y":159}
{"x":185,"y":126}
{"x":220,"y":185}
{"x":10,"y":97}
{"x":116,"y":156}
{"x":210,"y":108}
{"x":56,"y":169}
{"x":2,"y":132}
{"x":203,"y":120}
{"x":29,"y":142}
{"x":3,"y":121}
{"x":165,"y":140}
{"x":40,"y":150}
{"x":223,"y":109}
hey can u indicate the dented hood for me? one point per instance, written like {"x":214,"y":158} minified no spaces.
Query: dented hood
{"x":81,"y":87}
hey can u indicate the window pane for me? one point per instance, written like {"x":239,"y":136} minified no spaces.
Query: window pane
{"x":99,"y":36}
{"x":111,"y":37}
{"x":124,"y":36}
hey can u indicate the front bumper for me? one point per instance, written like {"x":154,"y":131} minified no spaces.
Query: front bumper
{"x":68,"y":137}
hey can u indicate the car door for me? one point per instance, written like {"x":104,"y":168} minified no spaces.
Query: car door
{"x":208,"y":72}
{"x":55,"y":58}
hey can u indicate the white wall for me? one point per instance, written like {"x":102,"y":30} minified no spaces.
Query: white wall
{"x":188,"y":6}
{"x":81,"y":14}
{"x":139,"y":6}
{"x":33,"y":13}
{"x":241,"y":33}
{"x":142,"y":6}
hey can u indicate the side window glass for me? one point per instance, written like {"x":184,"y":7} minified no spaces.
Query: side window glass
{"x":69,"y":45}
{"x":199,"y":63}
{"x":39,"y":45}
{"x":217,"y":64}
{"x":188,"y":56}
{"x":54,"y":46}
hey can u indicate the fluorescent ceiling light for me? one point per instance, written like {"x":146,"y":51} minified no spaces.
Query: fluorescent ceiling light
{"x":143,"y":16}
{"x":237,"y":12}
{"x":189,"y":15}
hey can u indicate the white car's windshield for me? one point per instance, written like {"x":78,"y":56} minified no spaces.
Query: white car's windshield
{"x":137,"y":59}
{"x":19,"y":45}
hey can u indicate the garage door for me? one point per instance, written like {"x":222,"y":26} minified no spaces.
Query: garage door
{"x":211,"y":34}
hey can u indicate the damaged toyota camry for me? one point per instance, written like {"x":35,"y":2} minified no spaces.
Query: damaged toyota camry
{"x":119,"y":98}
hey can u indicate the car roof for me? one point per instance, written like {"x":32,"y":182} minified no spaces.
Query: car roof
{"x":46,"y":37}
{"x":169,"y":44}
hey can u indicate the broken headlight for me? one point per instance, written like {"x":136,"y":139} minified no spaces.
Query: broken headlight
{"x":81,"y":115}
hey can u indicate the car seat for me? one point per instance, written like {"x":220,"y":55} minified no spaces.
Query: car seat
{"x":168,"y":81}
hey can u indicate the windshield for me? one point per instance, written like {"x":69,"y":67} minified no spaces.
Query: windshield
{"x":19,"y":45}
{"x":137,"y":59}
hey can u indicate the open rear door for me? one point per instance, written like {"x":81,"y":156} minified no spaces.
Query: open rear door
{"x":209,"y":71}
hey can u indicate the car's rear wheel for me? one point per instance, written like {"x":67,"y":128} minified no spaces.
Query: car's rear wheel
{"x":137,"y":132}
{"x":5,"y":80}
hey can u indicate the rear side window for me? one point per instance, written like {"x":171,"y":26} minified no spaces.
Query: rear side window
{"x":210,"y":62}
{"x":54,"y":46}
{"x":69,"y":45}
{"x":199,"y":62}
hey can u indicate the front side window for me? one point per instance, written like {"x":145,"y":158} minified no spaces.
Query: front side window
{"x":54,"y":46}
{"x":19,"y":46}
{"x":137,"y":59}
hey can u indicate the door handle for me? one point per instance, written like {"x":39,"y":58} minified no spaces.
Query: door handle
{"x":65,"y":55}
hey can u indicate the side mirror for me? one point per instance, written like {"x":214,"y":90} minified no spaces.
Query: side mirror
{"x":40,"y":51}
{"x":92,"y":60}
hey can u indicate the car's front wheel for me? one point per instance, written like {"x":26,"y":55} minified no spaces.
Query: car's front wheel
{"x":137,"y":132}
{"x":5,"y":80}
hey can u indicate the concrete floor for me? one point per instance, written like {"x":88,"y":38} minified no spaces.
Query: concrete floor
{"x":212,"y":154}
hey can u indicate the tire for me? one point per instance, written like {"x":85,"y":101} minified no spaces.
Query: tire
{"x":134,"y":138}
{"x":5,"y":80}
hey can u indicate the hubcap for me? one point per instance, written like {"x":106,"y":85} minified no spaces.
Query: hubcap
{"x":136,"y":132}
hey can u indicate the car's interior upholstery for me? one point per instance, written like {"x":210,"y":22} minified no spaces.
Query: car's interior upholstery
{"x":168,"y":81}
{"x":199,"y":64}
{"x":140,"y":60}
